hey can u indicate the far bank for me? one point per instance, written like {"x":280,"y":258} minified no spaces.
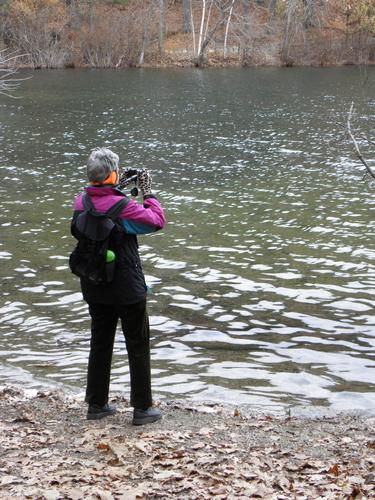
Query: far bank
{"x":130,"y":33}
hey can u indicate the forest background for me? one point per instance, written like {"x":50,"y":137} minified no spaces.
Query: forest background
{"x":128,"y":33}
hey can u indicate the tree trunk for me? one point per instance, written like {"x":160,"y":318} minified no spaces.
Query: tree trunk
{"x":246,"y":9}
{"x":144,"y":44}
{"x":76,"y":15}
{"x":219,"y":22}
{"x":161,"y":27}
{"x":311,"y":11}
{"x":202,"y":24}
{"x":290,"y":22}
{"x":208,"y":20}
{"x":245,"y":39}
{"x":192,"y":27}
{"x":186,"y":14}
{"x":227,"y":28}
{"x":90,"y":14}
{"x":272,"y":7}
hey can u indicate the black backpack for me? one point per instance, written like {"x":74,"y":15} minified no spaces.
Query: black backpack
{"x":93,"y":259}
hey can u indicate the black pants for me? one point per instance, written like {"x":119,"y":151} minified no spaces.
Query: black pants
{"x":135,"y":326}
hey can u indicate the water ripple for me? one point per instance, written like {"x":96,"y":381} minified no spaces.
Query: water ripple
{"x":263,"y":281}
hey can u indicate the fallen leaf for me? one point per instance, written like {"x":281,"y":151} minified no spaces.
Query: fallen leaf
{"x":355,"y":492}
{"x":283,"y":484}
{"x":73,"y":494}
{"x":51,"y":494}
{"x":369,"y":478}
{"x":346,"y":440}
{"x":103,"y":447}
{"x":9,"y":480}
{"x":334,"y":470}
{"x":167,"y":475}
{"x":115,"y":462}
{"x":355,"y":479}
{"x":307,"y":465}
{"x":142,"y":446}
{"x":23,"y":419}
{"x":198,"y":446}
{"x":205,"y":431}
{"x":218,"y":491}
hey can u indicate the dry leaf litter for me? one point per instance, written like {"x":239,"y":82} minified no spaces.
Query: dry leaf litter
{"x":49,"y":451}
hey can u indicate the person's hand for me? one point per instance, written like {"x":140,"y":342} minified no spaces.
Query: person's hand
{"x":144,"y":182}
{"x":125,"y":177}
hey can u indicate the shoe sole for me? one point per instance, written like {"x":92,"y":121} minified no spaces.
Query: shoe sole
{"x":98,"y":416}
{"x":146,"y":420}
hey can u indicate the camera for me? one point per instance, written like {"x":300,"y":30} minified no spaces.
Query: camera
{"x":130,"y":176}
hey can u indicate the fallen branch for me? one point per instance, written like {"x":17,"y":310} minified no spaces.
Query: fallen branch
{"x":356,"y":146}
{"x":368,"y":140}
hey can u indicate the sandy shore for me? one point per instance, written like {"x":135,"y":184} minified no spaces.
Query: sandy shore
{"x":50,"y":451}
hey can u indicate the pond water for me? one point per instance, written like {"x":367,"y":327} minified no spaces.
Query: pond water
{"x":263,"y":281}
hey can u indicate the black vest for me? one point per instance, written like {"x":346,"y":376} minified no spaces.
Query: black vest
{"x":128,"y":285}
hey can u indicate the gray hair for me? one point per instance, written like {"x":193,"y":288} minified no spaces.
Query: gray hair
{"x":100,"y":164}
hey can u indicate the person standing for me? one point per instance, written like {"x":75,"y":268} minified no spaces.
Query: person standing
{"x":124,"y":298}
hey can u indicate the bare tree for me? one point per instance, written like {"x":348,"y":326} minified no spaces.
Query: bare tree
{"x":311,"y":13}
{"x":246,"y":8}
{"x":249,"y":28}
{"x":213,"y":23}
{"x":39,"y":32}
{"x":144,"y":43}
{"x":203,"y":16}
{"x":75,"y":13}
{"x":90,"y":13}
{"x":208,"y":19}
{"x":8,"y":84}
{"x":202,"y":49}
{"x":227,"y":28}
{"x":292,"y":17}
{"x":272,"y":7}
{"x":300,"y":16}
{"x":192,"y":26}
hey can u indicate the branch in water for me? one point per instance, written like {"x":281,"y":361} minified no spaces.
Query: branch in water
{"x":356,"y":146}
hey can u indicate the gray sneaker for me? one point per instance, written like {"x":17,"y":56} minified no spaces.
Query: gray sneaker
{"x":141,"y":417}
{"x":96,"y":412}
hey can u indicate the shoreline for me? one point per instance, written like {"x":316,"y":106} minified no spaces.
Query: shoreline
{"x":198,"y":450}
{"x":191,"y":65}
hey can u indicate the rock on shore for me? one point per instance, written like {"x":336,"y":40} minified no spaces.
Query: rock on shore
{"x":49,"y":451}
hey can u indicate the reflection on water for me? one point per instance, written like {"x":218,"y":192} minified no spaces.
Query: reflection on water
{"x":263,"y":282}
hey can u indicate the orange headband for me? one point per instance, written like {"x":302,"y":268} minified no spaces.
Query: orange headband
{"x":111,"y":179}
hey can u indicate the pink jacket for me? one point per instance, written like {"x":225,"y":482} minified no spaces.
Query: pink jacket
{"x":136,"y":218}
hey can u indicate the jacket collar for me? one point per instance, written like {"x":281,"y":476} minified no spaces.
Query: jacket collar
{"x":103,"y":191}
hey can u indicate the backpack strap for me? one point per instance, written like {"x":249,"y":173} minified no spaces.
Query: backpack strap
{"x":87,"y":202}
{"x":116,"y":209}
{"x":112,"y":212}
